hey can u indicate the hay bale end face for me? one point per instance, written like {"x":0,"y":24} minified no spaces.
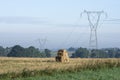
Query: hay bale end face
{"x":62,"y":56}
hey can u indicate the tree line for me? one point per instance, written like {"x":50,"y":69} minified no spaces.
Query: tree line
{"x":99,"y":53}
{"x":19,"y":51}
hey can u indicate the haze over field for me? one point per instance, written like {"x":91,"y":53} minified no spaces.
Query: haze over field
{"x":23,"y":22}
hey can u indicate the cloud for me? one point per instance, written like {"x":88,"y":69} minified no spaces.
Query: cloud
{"x":70,"y":25}
{"x":23,"y":20}
{"x":36,"y":20}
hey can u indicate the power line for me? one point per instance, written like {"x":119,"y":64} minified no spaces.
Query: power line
{"x":112,"y":20}
{"x":67,"y":39}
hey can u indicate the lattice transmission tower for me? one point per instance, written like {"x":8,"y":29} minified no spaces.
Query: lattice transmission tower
{"x":93,"y":18}
{"x":42,"y":44}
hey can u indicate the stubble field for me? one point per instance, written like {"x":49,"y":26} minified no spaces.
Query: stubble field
{"x":11,"y":68}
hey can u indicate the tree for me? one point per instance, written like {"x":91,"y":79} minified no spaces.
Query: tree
{"x":32,"y":52}
{"x":17,"y":51}
{"x":2,"y":51}
{"x":71,"y":49}
{"x":81,"y":52}
{"x":48,"y":52}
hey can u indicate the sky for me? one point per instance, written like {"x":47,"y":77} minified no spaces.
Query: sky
{"x":26,"y":22}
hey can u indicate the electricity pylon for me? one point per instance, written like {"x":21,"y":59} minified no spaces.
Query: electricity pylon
{"x":93,"y":18}
{"x":42,"y":43}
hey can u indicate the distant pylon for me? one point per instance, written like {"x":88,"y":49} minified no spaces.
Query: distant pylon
{"x":42,"y":44}
{"x":93,"y":18}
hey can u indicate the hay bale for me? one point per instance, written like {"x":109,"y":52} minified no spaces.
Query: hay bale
{"x":62,"y":56}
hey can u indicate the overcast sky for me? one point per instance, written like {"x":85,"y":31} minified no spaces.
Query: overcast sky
{"x":23,"y":22}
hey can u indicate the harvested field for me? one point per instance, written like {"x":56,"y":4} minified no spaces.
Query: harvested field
{"x":17,"y":65}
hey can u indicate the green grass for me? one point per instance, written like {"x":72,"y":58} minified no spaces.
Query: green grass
{"x":99,"y":74}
